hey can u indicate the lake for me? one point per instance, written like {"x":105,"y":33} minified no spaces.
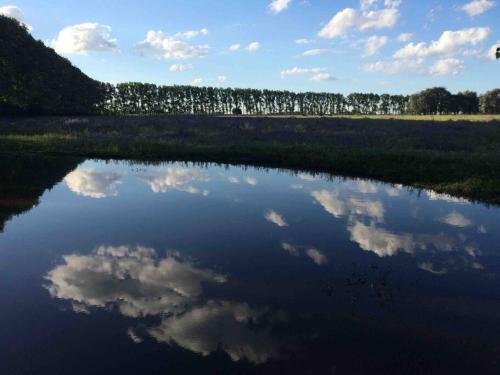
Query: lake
{"x":122,"y":267}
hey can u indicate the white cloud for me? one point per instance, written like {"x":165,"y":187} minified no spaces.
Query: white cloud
{"x":277,"y":6}
{"x":235,"y":47}
{"x":93,"y":184}
{"x":339,"y":24}
{"x":322,"y":77}
{"x":180,"y":179}
{"x":314,"y":52}
{"x":219,"y":324}
{"x":275,"y":218}
{"x":197,"y":81}
{"x":449,"y":66}
{"x":448,"y":43}
{"x":477,"y":7}
{"x":302,"y":41}
{"x":367,"y":4}
{"x":317,"y":74}
{"x":180,"y":68}
{"x":456,"y":219}
{"x":405,"y":37}
{"x":233,"y":180}
{"x":84,"y":38}
{"x":252,"y":47}
{"x":221,"y":79}
{"x":135,"y":280}
{"x":373,"y":44}
{"x":491,"y":54}
{"x":13,"y":12}
{"x":363,"y":20}
{"x":317,"y":256}
{"x":395,"y":67}
{"x":174,"y":47}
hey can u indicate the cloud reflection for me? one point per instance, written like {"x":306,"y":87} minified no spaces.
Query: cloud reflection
{"x":180,"y":179}
{"x":93,"y":184}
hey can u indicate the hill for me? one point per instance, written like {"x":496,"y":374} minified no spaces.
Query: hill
{"x":34,"y":79}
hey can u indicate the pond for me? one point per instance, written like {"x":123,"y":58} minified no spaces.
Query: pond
{"x":121,"y":267}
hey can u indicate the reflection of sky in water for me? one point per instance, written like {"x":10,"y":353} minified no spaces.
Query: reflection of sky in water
{"x":230,"y":259}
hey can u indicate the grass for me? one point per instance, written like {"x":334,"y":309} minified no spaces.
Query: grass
{"x":460,"y":157}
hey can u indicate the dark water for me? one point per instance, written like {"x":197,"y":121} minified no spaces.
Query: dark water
{"x":179,"y":268}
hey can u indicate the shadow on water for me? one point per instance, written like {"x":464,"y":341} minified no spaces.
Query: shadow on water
{"x":25,"y":179}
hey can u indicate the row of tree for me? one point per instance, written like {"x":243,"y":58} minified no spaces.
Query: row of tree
{"x":141,"y":98}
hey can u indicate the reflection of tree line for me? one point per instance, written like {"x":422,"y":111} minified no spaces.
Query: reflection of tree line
{"x":24,"y":180}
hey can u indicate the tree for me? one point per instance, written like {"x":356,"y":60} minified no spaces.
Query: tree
{"x":490,"y":102}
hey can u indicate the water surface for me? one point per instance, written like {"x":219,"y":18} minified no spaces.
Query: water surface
{"x":180,"y":268}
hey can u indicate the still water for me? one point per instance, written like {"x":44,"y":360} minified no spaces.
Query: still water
{"x":116,"y":267}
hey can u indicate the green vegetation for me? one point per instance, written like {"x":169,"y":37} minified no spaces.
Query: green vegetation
{"x":460,"y":158}
{"x":36,"y":80}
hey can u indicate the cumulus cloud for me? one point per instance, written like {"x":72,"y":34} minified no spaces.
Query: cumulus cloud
{"x":275,"y":218}
{"x":491,"y":53}
{"x":315,"y":52}
{"x":93,"y":184}
{"x":15,"y":12}
{"x":278,"y":6}
{"x":315,"y":74}
{"x":447,"y":44}
{"x":135,"y":280}
{"x":317,"y":256}
{"x":364,"y":20}
{"x":84,"y":38}
{"x":456,"y":219}
{"x":174,"y":46}
{"x":252,"y":47}
{"x":373,"y":44}
{"x":321,"y":77}
{"x":477,"y":7}
{"x":449,"y":66}
{"x":395,"y":67}
{"x":302,"y":41}
{"x":296,"y":71}
{"x":220,"y":324}
{"x":180,"y":68}
{"x":235,"y":47}
{"x":221,"y":79}
{"x":405,"y":37}
{"x":180,"y":179}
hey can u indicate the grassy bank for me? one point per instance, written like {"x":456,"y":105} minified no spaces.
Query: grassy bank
{"x":459,"y":157}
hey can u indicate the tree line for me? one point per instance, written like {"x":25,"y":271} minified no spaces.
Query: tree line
{"x":35,"y":80}
{"x":143,"y":98}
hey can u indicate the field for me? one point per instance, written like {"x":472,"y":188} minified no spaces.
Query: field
{"x":458,"y":155}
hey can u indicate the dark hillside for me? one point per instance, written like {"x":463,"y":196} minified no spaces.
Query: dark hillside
{"x":34,"y":79}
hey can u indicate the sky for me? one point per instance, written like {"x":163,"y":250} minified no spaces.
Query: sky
{"x":394,"y":46}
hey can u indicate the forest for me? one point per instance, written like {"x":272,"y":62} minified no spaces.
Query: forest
{"x":35,"y":80}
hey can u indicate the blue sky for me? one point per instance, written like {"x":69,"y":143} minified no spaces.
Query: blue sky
{"x":396,"y":46}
